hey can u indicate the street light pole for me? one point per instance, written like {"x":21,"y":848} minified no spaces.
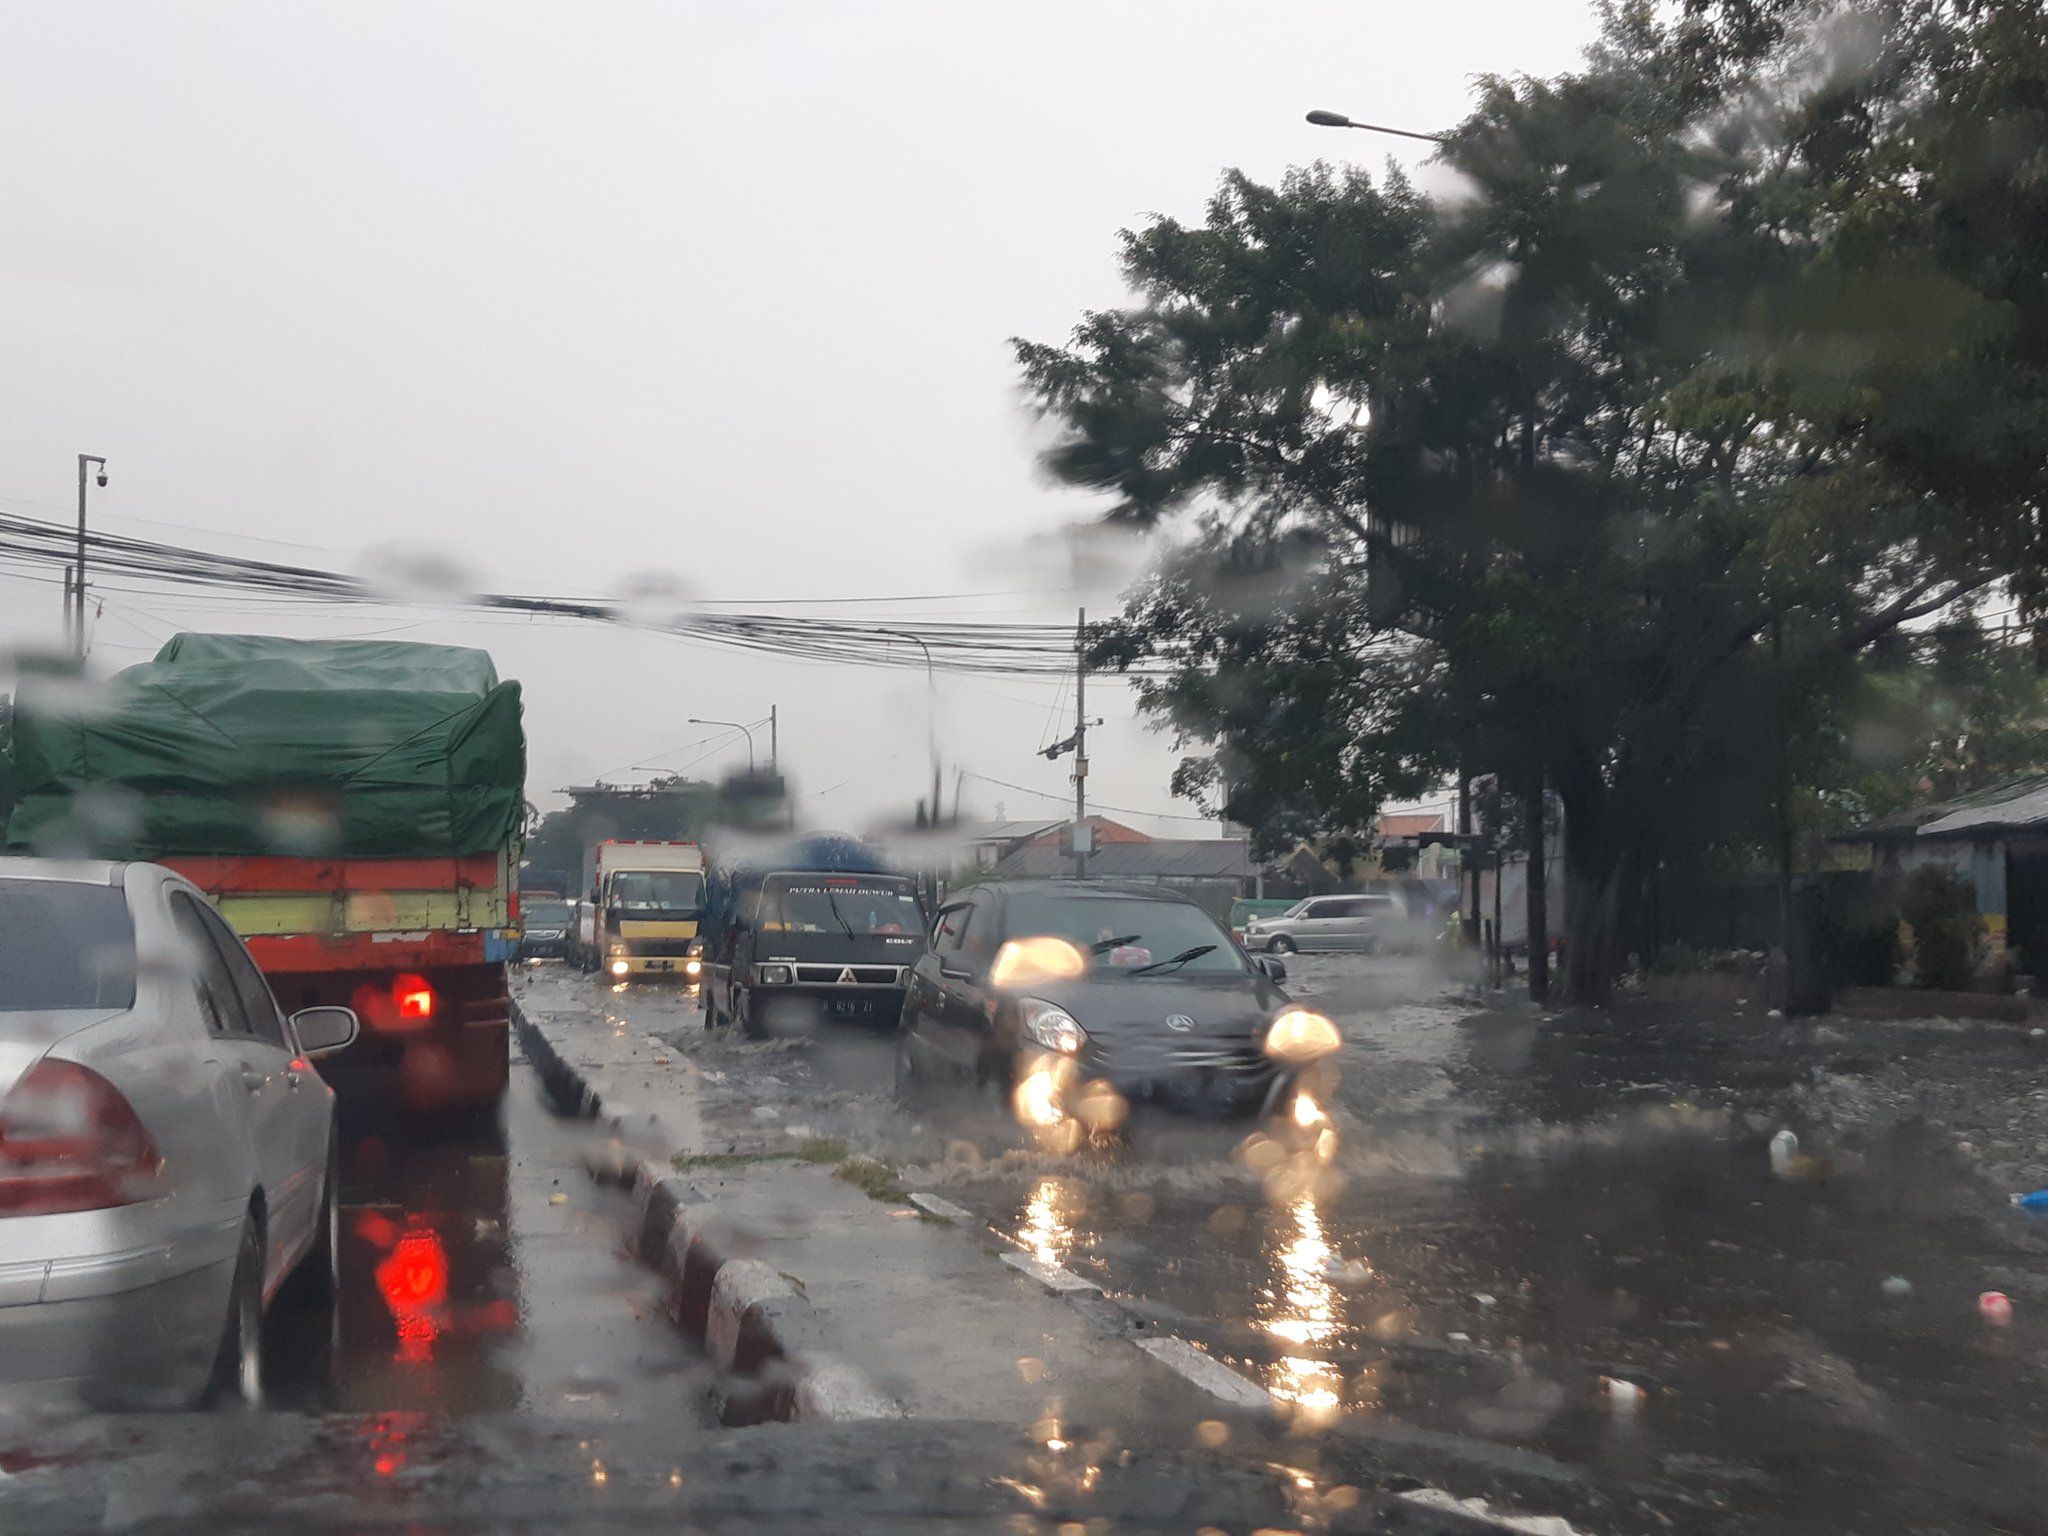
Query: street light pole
{"x":931,"y":713}
{"x":694,"y":720}
{"x":1324,"y":119}
{"x":78,"y":586}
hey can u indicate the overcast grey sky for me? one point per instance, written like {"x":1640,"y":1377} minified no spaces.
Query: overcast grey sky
{"x":579,"y":294}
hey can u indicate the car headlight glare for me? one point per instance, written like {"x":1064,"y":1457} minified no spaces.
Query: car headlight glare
{"x":1301,"y":1034}
{"x":1051,"y":1026}
{"x":620,"y":967}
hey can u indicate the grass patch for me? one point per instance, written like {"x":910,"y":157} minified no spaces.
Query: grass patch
{"x":683,"y":1162}
{"x":877,"y":1181}
{"x":820,"y":1149}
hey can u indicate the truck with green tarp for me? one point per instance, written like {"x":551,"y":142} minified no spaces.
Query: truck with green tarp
{"x":354,"y":808}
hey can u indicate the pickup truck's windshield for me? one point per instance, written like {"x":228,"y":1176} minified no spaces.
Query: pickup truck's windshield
{"x":547,"y":914}
{"x":859,"y":905}
{"x":658,"y":890}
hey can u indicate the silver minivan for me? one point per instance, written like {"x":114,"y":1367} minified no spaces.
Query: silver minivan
{"x":1367,"y":923}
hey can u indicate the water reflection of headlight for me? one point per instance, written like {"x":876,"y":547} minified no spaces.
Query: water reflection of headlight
{"x":1304,"y":1315}
{"x":1047,"y":1233}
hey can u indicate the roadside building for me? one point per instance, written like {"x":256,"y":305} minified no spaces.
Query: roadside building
{"x":1213,"y":872}
{"x":1997,"y":840}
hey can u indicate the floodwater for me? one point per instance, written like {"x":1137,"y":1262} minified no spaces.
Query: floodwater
{"x":482,"y":1272}
{"x":1564,"y":1241}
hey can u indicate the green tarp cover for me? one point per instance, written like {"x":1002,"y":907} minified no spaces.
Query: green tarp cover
{"x":244,"y":744}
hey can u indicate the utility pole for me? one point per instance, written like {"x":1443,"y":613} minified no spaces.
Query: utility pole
{"x":1468,"y":862}
{"x":78,"y":588}
{"x":1080,"y":744}
{"x":1787,"y":996}
{"x":774,"y":755}
{"x":1539,"y":925}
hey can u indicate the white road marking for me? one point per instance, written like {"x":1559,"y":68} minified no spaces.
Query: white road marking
{"x":1207,"y":1372}
{"x":946,"y":1210}
{"x":1500,"y":1519}
{"x":1051,"y":1276}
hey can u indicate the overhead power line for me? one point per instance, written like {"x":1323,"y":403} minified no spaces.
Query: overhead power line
{"x":959,"y":645}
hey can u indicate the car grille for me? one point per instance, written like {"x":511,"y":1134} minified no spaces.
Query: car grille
{"x":863,"y":975}
{"x":658,"y":948}
{"x":1229,"y":1058}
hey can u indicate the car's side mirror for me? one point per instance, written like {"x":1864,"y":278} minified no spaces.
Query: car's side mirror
{"x":325,"y":1030}
{"x":1274,"y":967}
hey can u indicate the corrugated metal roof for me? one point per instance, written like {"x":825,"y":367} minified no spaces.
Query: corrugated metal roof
{"x":1165,"y":858}
{"x":2024,"y":804}
{"x":2020,"y":803}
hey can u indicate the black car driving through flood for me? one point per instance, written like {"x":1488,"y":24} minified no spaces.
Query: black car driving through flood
{"x":545,"y":923}
{"x":1071,"y":994}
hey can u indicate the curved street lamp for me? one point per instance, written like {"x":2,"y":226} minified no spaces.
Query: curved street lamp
{"x":1324,"y":119}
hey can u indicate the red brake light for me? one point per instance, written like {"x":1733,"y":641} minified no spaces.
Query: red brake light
{"x":414,"y":996}
{"x":70,"y":1142}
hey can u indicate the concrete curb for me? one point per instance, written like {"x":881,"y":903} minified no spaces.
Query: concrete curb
{"x":768,"y":1343}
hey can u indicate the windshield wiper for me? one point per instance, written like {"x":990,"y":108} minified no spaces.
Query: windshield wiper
{"x":1180,"y":959}
{"x":1104,"y":946}
{"x":833,"y":902}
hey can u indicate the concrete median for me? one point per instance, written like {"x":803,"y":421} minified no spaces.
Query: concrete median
{"x":766,"y":1340}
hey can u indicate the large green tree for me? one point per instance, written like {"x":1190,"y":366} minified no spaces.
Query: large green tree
{"x":1591,"y":476}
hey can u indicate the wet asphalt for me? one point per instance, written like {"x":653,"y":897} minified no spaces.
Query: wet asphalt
{"x":483,"y":1272}
{"x":1558,"y":1248}
{"x":1550,"y":1261}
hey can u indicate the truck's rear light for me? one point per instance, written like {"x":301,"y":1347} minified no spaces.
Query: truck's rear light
{"x":415,"y":998}
{"x":70,"y":1142}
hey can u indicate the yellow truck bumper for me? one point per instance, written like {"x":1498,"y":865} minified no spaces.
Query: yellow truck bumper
{"x":654,"y":965}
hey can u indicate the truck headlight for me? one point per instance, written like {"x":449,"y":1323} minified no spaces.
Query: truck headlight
{"x":693,"y":967}
{"x":1051,"y":1026}
{"x":621,"y":967}
{"x":1301,"y":1034}
{"x":773,"y":975}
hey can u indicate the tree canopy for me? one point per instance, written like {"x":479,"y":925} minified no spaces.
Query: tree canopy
{"x":1721,"y":365}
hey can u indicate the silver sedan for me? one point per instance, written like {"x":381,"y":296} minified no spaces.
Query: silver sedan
{"x":167,"y":1151}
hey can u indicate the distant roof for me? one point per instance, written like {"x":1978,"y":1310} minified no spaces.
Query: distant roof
{"x":1000,"y":831}
{"x":1089,"y":887}
{"x":1410,"y":823}
{"x":1172,"y":858}
{"x":2020,"y":803}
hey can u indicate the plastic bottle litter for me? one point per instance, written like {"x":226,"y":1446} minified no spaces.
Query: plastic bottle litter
{"x":2037,"y":1201}
{"x":1896,"y":1287}
{"x":1995,"y":1307}
{"x":1784,"y":1147}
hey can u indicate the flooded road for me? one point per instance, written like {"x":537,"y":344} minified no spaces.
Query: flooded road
{"x":483,"y":1272}
{"x":1559,"y":1240}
